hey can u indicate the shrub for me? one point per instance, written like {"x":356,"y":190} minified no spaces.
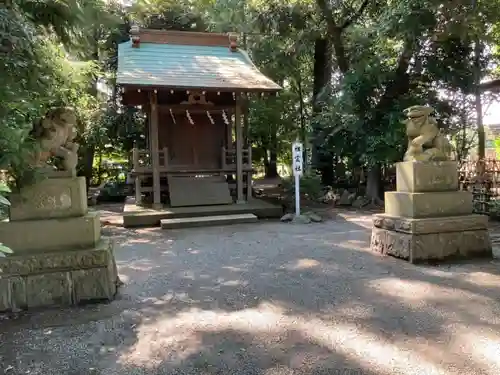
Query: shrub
{"x":310,"y":186}
{"x":494,"y":209}
{"x":4,"y":205}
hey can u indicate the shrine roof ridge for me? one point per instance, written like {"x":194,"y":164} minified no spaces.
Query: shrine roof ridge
{"x":177,"y":60}
{"x":184,"y":37}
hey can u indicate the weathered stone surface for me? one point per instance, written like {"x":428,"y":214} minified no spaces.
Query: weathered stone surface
{"x":113,"y":272}
{"x":315,"y":218}
{"x":287,"y":217}
{"x":389,"y":243}
{"x":425,"y":141}
{"x":93,"y":284}
{"x":51,"y":234}
{"x":61,"y":278}
{"x":18,"y":293}
{"x":465,"y":244}
{"x":361,"y":202}
{"x":432,"y":247}
{"x":431,"y":176}
{"x":431,"y":225}
{"x":95,"y":257}
{"x":421,"y":205}
{"x":50,"y":198}
{"x":4,"y":294}
{"x":329,"y":197}
{"x":302,"y":219}
{"x":48,"y":289}
{"x":346,"y":198}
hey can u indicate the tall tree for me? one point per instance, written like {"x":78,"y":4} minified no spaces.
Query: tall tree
{"x":386,"y":57}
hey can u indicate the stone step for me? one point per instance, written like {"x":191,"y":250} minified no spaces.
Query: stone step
{"x":205,"y":221}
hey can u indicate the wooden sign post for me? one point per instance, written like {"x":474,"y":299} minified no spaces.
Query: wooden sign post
{"x":298,"y":170}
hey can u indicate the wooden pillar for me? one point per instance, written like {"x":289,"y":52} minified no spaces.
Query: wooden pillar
{"x":248,"y":145}
{"x":250,"y":173}
{"x":137,"y":179}
{"x":246,"y":124}
{"x":239,"y":151}
{"x":229,"y":134}
{"x":155,"y":154}
{"x":148,"y":124}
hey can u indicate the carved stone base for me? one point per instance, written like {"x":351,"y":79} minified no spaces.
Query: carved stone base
{"x":429,"y":204}
{"x":51,"y":234}
{"x":58,"y":278}
{"x":420,"y":177}
{"x":425,"y":247}
{"x":50,"y":198}
{"x":431,"y":225}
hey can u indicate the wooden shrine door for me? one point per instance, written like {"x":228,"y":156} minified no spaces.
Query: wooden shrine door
{"x":195,"y":146}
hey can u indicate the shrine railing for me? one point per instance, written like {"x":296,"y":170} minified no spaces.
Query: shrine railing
{"x":142,"y":160}
{"x":229,"y":158}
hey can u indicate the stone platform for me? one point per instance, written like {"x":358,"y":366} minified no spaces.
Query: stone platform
{"x":141,"y":216}
{"x":427,"y":218}
{"x":59,"y":256}
{"x":51,"y":234}
{"x":67,"y":277}
{"x":420,"y":240}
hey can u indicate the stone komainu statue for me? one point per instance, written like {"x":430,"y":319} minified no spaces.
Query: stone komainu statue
{"x":55,"y":135}
{"x":425,"y":140}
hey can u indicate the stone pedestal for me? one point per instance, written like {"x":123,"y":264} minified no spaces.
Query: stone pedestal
{"x":427,"y":218}
{"x":59,"y":256}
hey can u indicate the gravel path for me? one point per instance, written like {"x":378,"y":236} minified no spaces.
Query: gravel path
{"x":268,"y":299}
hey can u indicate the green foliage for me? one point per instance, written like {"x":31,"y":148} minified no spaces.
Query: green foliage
{"x":310,"y":186}
{"x":494,"y":209}
{"x":361,"y":118}
{"x":119,"y":129}
{"x":4,"y":190}
{"x":28,"y":86}
{"x":386,"y":58}
{"x":4,"y":205}
{"x":40,"y":72}
{"x":4,"y":250}
{"x":53,"y":17}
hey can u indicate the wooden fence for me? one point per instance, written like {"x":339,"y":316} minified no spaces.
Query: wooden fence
{"x":482,"y":178}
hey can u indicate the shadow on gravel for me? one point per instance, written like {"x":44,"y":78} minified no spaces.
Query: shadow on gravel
{"x":269,"y":299}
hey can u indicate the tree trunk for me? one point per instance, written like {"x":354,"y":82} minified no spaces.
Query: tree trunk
{"x":321,"y":159}
{"x":87,"y":163}
{"x":272,"y":166}
{"x":99,"y":167}
{"x":265,"y":159}
{"x":88,"y":150}
{"x":481,"y":138}
{"x":270,"y":163}
{"x":374,"y":184}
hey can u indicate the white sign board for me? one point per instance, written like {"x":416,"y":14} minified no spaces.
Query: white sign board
{"x":297,"y":154}
{"x":298,"y":170}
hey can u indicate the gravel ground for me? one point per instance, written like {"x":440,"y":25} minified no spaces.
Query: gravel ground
{"x":268,"y":299}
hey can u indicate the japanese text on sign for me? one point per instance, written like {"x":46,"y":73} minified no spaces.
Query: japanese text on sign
{"x":297,"y":165}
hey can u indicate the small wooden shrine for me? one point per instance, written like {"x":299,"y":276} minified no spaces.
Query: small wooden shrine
{"x":193,"y":88}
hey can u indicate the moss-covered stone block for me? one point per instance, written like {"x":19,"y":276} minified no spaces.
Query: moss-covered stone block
{"x":51,"y":234}
{"x":62,"y":278}
{"x":50,"y":198}
{"x":431,"y":204}
{"x":421,"y":177}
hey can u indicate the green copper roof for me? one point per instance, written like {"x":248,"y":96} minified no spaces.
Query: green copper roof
{"x":187,"y":66}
